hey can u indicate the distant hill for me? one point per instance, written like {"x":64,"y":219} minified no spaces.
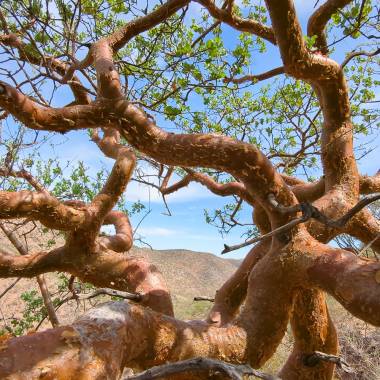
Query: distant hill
{"x":190,"y":274}
{"x":187,"y":273}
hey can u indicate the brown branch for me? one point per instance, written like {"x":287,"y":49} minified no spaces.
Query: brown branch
{"x":185,"y":181}
{"x":308,"y":212}
{"x":40,"y":206}
{"x":256,"y":78}
{"x":77,"y":117}
{"x":36,"y":117}
{"x":32,"y":264}
{"x":352,"y":281}
{"x":207,"y":367}
{"x":222,"y":189}
{"x":114,"y":293}
{"x":310,"y":191}
{"x":328,"y":81}
{"x":121,"y":37}
{"x":244,"y":25}
{"x":370,"y":184}
{"x":230,"y":296}
{"x":365,"y":227}
{"x":79,"y":91}
{"x":248,"y":164}
{"x":101,"y":52}
{"x":312,"y":330}
{"x":358,"y":54}
{"x":318,"y":20}
{"x":5,"y":172}
{"x":115,"y":186}
{"x":123,"y":239}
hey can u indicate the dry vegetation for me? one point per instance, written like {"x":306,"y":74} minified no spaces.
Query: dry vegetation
{"x":192,"y":274}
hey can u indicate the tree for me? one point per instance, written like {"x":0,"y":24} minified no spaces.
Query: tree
{"x":155,"y":60}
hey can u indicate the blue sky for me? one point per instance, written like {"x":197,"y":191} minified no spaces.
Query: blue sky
{"x":186,"y":228}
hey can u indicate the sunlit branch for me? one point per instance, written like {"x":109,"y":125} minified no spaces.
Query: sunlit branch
{"x":318,"y":20}
{"x":39,"y":206}
{"x":244,"y":25}
{"x":256,"y":78}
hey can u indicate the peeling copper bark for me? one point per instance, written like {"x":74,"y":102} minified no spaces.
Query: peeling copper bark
{"x":282,"y":279}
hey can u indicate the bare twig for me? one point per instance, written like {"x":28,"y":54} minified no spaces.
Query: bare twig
{"x":308,"y":212}
{"x":114,"y":293}
{"x":204,"y":298}
{"x":359,"y":53}
{"x":367,"y":246}
{"x":256,"y":78}
{"x":9,"y":287}
{"x":316,"y":357}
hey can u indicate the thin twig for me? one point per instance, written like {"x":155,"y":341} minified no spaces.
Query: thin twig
{"x":9,"y":287}
{"x":114,"y":293}
{"x":308,"y":212}
{"x":203,"y":298}
{"x":316,"y":357}
{"x":367,"y":246}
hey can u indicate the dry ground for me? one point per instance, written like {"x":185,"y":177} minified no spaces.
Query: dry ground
{"x":192,"y":274}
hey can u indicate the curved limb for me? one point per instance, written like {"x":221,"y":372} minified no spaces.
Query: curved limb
{"x":352,"y":281}
{"x":313,"y":330}
{"x":365,"y":227}
{"x":101,"y":268}
{"x":121,"y":36}
{"x":370,"y":184}
{"x":18,"y":244}
{"x":318,"y":20}
{"x":249,"y":165}
{"x":327,"y":79}
{"x":222,"y":189}
{"x":244,"y":25}
{"x":231,"y":295}
{"x":102,"y":204}
{"x":47,"y":118}
{"x":311,"y":191}
{"x":123,"y":239}
{"x":32,"y":264}
{"x":116,"y":335}
{"x":109,"y":269}
{"x":40,"y":206}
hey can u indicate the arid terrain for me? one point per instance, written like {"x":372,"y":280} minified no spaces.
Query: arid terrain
{"x":191,"y":274}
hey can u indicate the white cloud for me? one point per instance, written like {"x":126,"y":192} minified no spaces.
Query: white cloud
{"x":194,"y":191}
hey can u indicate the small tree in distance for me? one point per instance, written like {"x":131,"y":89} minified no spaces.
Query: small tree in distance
{"x":168,"y":84}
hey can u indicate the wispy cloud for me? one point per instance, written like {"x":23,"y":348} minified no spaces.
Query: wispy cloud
{"x":156,"y":231}
{"x":194,"y":191}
